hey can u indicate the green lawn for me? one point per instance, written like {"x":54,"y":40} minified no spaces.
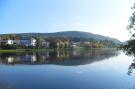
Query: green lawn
{"x":48,"y":49}
{"x":23,"y":50}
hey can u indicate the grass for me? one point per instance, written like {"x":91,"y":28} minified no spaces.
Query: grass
{"x":84,"y":48}
{"x":23,"y":50}
{"x":9,"y":51}
{"x":48,"y":49}
{"x":44,"y":49}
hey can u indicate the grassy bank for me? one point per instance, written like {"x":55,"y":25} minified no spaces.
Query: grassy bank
{"x":10,"y":51}
{"x":23,"y":50}
{"x":84,"y":48}
{"x":49,"y":49}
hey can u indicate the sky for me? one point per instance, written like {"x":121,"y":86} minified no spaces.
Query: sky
{"x":104,"y":17}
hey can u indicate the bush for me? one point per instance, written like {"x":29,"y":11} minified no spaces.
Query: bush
{"x":7,"y":46}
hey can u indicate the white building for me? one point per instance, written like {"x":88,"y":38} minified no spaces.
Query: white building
{"x":28,"y":41}
{"x":9,"y":41}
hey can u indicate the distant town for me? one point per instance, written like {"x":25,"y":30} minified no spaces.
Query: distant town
{"x":12,"y":41}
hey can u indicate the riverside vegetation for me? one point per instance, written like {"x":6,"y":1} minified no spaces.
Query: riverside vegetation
{"x":20,"y":42}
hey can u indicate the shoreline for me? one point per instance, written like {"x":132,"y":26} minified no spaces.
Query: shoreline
{"x":23,"y":50}
{"x":49,"y":49}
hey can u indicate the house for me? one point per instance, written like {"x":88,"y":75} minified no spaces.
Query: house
{"x":9,"y":41}
{"x":28,"y":41}
{"x":73,"y":45}
{"x":16,"y":41}
{"x":45,"y":43}
{"x":6,"y":41}
{"x":23,"y":41}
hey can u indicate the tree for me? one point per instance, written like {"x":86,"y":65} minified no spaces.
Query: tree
{"x":38,"y":42}
{"x":129,"y":47}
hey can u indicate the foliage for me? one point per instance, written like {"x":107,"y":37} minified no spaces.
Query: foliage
{"x":129,"y":46}
{"x":57,"y":42}
{"x":6,"y":46}
{"x":75,"y":35}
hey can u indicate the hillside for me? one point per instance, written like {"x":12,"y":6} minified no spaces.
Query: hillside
{"x":73,"y":34}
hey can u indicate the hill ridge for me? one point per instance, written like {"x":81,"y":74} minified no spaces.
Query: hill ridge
{"x":75,"y":34}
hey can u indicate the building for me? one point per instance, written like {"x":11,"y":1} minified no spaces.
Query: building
{"x":45,"y":43}
{"x":73,"y":45}
{"x":6,"y":41}
{"x":16,"y":41}
{"x":28,"y":41}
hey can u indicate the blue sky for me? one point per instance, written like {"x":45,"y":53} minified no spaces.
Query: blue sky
{"x":105,"y":17}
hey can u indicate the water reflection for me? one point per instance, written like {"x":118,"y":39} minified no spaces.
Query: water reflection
{"x":63,"y":57}
{"x":131,"y":68}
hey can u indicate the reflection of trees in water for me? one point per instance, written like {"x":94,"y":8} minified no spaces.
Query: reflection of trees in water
{"x":131,"y":68}
{"x":60,"y":57}
{"x":130,"y":52}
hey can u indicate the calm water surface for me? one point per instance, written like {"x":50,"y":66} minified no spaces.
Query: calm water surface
{"x":93,"y":69}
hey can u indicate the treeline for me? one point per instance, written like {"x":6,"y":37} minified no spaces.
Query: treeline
{"x":54,"y":42}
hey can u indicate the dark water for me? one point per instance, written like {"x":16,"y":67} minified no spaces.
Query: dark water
{"x":93,"y":69}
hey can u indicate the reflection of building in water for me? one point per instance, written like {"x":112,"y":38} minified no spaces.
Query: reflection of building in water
{"x":33,"y":58}
{"x":20,"y":59}
{"x":58,"y":53}
{"x":74,"y":52}
{"x":10,"y":59}
{"x":60,"y":57}
{"x":47,"y":55}
{"x":29,"y":58}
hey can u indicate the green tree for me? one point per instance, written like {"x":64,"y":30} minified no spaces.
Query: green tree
{"x":129,"y":47}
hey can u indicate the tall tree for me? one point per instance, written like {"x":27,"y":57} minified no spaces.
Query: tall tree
{"x":129,"y":47}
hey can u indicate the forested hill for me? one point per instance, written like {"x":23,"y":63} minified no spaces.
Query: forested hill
{"x":72,"y":34}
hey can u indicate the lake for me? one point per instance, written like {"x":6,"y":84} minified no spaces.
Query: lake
{"x":67,"y":69}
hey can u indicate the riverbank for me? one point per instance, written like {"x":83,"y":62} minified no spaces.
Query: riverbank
{"x":49,"y":49}
{"x":23,"y":50}
{"x":83,"y":48}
